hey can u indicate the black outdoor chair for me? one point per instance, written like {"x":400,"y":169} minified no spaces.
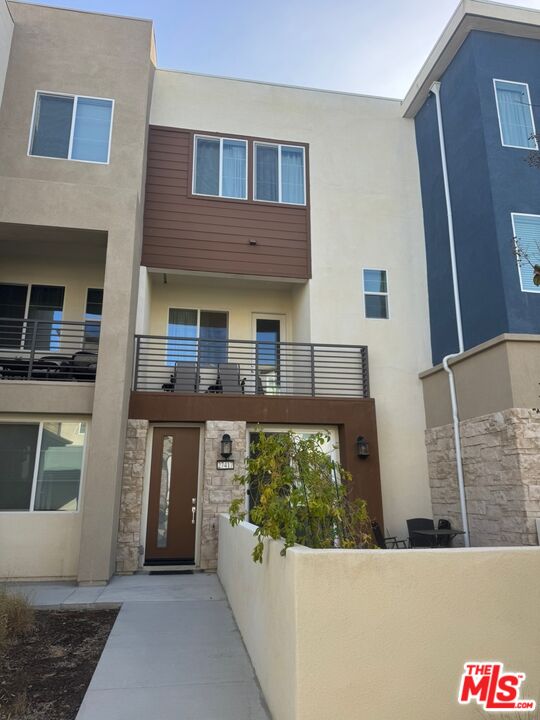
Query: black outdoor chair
{"x":385,"y":543}
{"x":416,"y":540}
{"x":229,"y":378}
{"x":83,"y":366}
{"x":444,"y":540}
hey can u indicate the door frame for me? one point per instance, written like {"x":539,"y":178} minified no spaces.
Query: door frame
{"x":146,"y":484}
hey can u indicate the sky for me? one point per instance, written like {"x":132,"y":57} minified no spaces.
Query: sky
{"x":364,"y":46}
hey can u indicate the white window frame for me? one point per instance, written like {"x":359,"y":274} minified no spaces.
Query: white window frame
{"x":40,"y":421}
{"x":513,"y":216}
{"x":198,"y":311}
{"x":220,"y":171}
{"x":370,"y":292}
{"x":523,"y":84}
{"x":73,"y":116}
{"x":280,"y":194}
{"x":29,"y":287}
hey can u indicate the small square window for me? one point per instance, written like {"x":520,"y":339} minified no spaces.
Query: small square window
{"x":375,"y":294}
{"x":220,"y":167}
{"x":279,"y":173}
{"x":71,"y":127}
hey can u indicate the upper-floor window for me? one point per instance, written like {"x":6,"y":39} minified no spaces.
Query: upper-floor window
{"x":375,"y":294}
{"x":220,"y":167}
{"x":72,"y":127}
{"x":527,"y":238}
{"x":200,"y":333}
{"x":92,"y":317}
{"x":514,"y":109}
{"x":279,"y":173}
{"x":42,"y":305}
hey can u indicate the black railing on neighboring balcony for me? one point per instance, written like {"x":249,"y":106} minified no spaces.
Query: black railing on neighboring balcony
{"x":189,"y":365}
{"x":48,"y":349}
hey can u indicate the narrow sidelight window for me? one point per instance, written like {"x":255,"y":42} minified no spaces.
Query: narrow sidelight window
{"x":220,"y":167}
{"x":280,"y":173}
{"x":527,"y":239}
{"x":40,"y":465}
{"x":514,"y":109}
{"x":71,"y":127}
{"x":376,"y":294}
{"x":92,"y":317}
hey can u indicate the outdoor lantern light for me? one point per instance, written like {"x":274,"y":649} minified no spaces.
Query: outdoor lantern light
{"x":226,"y":446}
{"x":362,"y":447}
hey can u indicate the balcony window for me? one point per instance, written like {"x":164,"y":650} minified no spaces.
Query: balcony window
{"x":200,"y":333}
{"x":71,"y":127}
{"x":516,"y":122}
{"x":375,"y":294}
{"x":35,"y":302}
{"x":280,"y":173}
{"x":40,"y":466}
{"x":220,"y":167}
{"x":92,"y":317}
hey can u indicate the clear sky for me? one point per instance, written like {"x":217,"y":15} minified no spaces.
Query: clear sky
{"x":367,"y":46}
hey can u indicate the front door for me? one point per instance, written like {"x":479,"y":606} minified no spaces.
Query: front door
{"x":172,"y":502}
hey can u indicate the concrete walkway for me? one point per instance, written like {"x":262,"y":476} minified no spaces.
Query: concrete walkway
{"x":174,"y":652}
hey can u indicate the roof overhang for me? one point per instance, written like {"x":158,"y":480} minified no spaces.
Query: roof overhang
{"x":470,"y":15}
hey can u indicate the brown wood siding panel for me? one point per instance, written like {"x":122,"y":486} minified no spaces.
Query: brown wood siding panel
{"x":186,"y":232}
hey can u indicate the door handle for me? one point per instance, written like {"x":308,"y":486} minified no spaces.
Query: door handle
{"x":193,"y":510}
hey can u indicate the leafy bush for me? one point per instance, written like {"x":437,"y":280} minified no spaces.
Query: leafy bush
{"x":301,"y":495}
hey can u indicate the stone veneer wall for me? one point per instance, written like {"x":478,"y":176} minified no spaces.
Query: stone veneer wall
{"x":218,"y":487}
{"x":128,"y":554}
{"x":217,"y":491}
{"x":501,"y":463}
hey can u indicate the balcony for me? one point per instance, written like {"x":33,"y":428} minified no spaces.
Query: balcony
{"x":53,"y":350}
{"x":243,"y":367}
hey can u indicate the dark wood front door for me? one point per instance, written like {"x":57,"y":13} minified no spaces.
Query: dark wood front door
{"x":172,"y":502}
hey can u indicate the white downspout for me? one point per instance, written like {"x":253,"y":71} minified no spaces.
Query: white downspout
{"x":435,"y":89}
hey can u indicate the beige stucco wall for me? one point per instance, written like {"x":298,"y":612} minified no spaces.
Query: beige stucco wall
{"x":380,"y":634}
{"x":6,"y":33}
{"x":108,"y":57}
{"x":497,"y":375}
{"x":365,"y":213}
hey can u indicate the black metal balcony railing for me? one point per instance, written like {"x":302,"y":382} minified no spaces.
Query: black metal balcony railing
{"x":48,"y":350}
{"x":189,"y":365}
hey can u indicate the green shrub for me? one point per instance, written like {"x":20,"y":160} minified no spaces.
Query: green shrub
{"x":301,"y":495}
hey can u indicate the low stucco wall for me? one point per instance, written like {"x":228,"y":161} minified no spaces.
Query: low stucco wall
{"x":39,"y":546}
{"x":380,"y":634}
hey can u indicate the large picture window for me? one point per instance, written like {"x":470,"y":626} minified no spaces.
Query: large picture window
{"x":41,"y":466}
{"x":71,"y":127}
{"x":279,"y":173}
{"x":40,"y":303}
{"x":514,"y":109}
{"x":192,"y":332}
{"x":220,"y":167}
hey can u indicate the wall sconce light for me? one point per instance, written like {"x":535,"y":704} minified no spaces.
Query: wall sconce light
{"x":226,"y":446}
{"x":362,"y":447}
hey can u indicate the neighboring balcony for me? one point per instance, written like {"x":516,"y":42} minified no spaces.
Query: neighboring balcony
{"x":52,"y":350}
{"x":243,"y":367}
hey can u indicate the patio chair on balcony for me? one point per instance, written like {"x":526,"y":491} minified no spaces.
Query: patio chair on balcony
{"x":83,"y":366}
{"x":446,"y":540}
{"x":229,"y":378}
{"x":416,"y":540}
{"x":385,"y":543}
{"x":185,"y":378}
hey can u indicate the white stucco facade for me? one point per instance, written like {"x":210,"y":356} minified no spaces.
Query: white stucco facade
{"x":365,"y":213}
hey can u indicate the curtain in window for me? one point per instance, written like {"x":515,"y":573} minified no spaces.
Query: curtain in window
{"x":182,"y":325}
{"x":52,"y":126}
{"x":213,"y":336}
{"x":527,"y":229}
{"x":234,"y":169}
{"x":207,"y":167}
{"x":292,"y":174}
{"x":92,"y":129}
{"x":267,"y":159}
{"x":515,"y":114}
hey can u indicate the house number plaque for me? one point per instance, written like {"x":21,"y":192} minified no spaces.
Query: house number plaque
{"x":225,"y":464}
